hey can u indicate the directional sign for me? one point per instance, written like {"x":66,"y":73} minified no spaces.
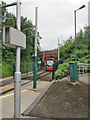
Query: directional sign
{"x":89,"y":13}
{"x":13,"y":38}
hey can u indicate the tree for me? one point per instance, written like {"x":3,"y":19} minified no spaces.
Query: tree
{"x":67,"y":51}
{"x":9,"y":54}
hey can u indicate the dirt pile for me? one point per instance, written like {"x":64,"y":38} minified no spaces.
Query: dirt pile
{"x":63,"y":100}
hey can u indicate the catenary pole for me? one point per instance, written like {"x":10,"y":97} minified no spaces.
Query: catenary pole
{"x":89,"y":14}
{"x":35,"y":60}
{"x":1,"y":106}
{"x":17,"y":83}
{"x":58,"y":52}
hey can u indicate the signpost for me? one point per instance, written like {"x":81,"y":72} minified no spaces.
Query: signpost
{"x":16,"y":39}
{"x":17,"y":84}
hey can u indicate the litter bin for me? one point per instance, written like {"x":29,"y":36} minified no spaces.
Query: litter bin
{"x":73,"y":72}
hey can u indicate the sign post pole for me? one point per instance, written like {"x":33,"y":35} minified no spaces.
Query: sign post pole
{"x":17,"y":83}
{"x":10,"y":39}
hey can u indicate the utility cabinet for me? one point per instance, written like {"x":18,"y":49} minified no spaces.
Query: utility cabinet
{"x":73,"y":72}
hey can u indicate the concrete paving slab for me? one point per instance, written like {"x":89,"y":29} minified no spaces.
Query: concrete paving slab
{"x":29,"y":109}
{"x":27,"y":98}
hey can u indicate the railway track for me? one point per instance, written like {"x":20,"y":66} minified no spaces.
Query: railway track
{"x":43,"y":76}
{"x":30,"y":76}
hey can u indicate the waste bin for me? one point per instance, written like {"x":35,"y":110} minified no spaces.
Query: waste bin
{"x":73,"y":72}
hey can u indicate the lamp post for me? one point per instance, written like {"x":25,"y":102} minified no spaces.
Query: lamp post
{"x":75,"y":64}
{"x":75,"y":33}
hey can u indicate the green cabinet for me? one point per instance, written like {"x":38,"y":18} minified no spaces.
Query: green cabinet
{"x":73,"y":72}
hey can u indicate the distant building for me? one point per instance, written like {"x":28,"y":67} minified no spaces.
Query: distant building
{"x":48,"y":53}
{"x":89,"y":13}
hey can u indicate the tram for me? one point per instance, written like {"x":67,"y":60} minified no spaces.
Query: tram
{"x":49,"y":63}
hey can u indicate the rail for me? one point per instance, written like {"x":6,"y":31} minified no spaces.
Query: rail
{"x":83,"y":68}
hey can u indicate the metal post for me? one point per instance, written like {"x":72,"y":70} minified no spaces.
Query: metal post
{"x":27,"y":67}
{"x":75,"y":39}
{"x":79,"y":69}
{"x":58,"y":52}
{"x":35,"y":60}
{"x":43,"y":56}
{"x":1,"y":55}
{"x":17,"y":83}
{"x":83,"y":68}
{"x":0,"y":18}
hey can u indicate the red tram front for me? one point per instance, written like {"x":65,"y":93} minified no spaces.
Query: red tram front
{"x":49,"y":63}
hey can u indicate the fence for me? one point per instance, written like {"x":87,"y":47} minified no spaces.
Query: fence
{"x":83,"y":68}
{"x":84,"y":73}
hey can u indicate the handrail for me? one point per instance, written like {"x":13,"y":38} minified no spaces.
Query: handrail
{"x":83,"y":70}
{"x":83,"y":64}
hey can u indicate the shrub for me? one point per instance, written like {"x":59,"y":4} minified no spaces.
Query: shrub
{"x":26,"y":67}
{"x":7,"y":69}
{"x":62,"y":71}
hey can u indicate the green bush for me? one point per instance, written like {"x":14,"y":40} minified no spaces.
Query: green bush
{"x":7,"y":69}
{"x":62,"y":71}
{"x":26,"y":66}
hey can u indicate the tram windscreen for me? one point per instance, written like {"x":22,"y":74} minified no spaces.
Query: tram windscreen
{"x":50,"y":62}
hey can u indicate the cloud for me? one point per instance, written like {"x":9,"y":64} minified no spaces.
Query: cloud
{"x":55,"y":18}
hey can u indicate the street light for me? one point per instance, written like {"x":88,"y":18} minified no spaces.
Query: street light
{"x":75,"y":64}
{"x":75,"y":32}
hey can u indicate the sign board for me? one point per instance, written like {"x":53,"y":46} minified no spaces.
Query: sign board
{"x":13,"y":38}
{"x":89,"y":13}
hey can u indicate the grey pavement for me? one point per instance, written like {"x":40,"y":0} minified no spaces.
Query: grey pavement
{"x":28,"y":95}
{"x":84,"y":78}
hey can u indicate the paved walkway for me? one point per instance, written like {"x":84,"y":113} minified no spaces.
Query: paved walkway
{"x":84,"y":78}
{"x":28,"y":95}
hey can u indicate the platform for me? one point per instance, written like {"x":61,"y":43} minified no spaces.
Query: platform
{"x":28,"y":95}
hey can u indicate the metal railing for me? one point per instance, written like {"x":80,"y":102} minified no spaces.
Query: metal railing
{"x":83,"y":68}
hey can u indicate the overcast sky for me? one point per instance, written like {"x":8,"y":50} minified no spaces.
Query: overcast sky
{"x":55,"y":18}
